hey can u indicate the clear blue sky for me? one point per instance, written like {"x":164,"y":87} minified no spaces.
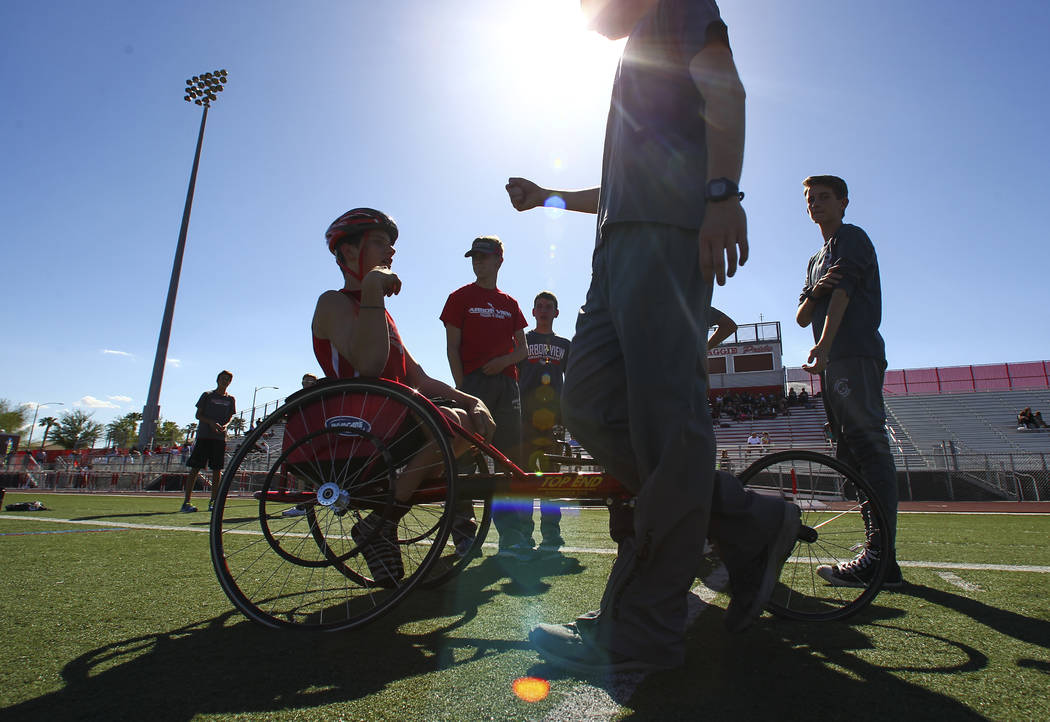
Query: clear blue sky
{"x":935,"y":113}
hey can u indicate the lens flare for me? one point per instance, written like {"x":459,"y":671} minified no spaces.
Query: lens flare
{"x":531,"y":689}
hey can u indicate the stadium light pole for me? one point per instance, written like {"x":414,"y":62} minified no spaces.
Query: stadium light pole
{"x":200,"y":90}
{"x":250,"y":423}
{"x":32,"y":426}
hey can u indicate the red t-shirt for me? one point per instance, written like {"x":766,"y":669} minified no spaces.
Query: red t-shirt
{"x":488,"y":320}
{"x":335,"y":366}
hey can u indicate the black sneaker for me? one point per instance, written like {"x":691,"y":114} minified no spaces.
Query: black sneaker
{"x":377,"y":539}
{"x":858,"y":572}
{"x":753,"y":586}
{"x":564,"y":647}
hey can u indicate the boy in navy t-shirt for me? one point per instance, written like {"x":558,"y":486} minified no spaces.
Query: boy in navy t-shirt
{"x":842,"y":301}
{"x":541,"y":376}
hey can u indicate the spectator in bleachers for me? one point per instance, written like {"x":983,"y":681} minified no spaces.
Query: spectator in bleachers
{"x":803,"y":399}
{"x":753,"y":442}
{"x":1038,"y":418}
{"x":724,"y":462}
{"x":1025,"y":419}
{"x":766,"y":440}
{"x":842,"y":301}
{"x":828,"y":435}
{"x":792,"y":397}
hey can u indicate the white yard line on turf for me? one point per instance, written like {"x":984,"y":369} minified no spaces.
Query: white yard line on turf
{"x":491,"y":545}
{"x":959,"y":581}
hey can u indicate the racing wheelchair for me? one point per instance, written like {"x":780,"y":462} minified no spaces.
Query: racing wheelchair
{"x":289,"y":535}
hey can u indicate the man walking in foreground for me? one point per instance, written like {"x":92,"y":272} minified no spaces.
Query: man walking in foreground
{"x":669,"y":224}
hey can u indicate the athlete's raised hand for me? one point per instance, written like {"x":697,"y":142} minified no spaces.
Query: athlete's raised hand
{"x":382,"y":279}
{"x":524,"y":194}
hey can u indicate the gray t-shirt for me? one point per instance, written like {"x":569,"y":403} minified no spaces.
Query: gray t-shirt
{"x":654,"y":168}
{"x":858,"y":335}
{"x":217,"y":407}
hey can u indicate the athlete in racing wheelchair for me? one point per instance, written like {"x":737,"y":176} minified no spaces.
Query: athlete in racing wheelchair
{"x":354,"y":335}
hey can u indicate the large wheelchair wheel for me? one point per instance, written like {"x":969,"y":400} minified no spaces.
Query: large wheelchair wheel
{"x":473,"y":518}
{"x":306,"y":532}
{"x":839,"y":511}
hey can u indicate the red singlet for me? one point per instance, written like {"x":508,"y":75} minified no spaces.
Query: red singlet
{"x":335,"y":366}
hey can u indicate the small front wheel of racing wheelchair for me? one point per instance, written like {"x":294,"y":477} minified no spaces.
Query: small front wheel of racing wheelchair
{"x":841,"y":519}
{"x":307,"y":530}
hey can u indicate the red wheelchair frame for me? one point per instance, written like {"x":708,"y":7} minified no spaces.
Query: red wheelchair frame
{"x":340,"y":437}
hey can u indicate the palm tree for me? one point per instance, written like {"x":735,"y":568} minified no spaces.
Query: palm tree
{"x":47,"y":422}
{"x":190,"y":430}
{"x":77,"y":430}
{"x":237,"y":424}
{"x":169,"y":433}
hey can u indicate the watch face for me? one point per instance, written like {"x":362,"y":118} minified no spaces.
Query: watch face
{"x":716,"y":188}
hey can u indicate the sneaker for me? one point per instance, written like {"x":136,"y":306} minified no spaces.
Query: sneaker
{"x":516,"y":552}
{"x":294,"y":511}
{"x":464,"y":529}
{"x":463,"y":546}
{"x":187,"y":509}
{"x":753,"y":586}
{"x":377,"y":539}
{"x":550,"y":548}
{"x":563,"y":646}
{"x":859,"y":571}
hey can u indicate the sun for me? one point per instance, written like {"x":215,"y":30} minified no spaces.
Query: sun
{"x":552,"y":73}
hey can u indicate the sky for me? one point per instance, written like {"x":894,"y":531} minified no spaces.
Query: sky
{"x":934,"y":112}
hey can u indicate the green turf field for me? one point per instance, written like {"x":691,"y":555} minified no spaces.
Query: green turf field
{"x":103,"y":621}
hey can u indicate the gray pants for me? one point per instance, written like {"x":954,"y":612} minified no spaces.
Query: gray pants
{"x":512,"y":517}
{"x":635,"y":396}
{"x":852,"y":391}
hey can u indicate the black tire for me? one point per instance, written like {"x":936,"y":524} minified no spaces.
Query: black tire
{"x":834,"y":500}
{"x":347,"y":442}
{"x":451,"y":562}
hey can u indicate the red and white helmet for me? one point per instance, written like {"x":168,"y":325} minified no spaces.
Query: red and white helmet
{"x":357,"y":221}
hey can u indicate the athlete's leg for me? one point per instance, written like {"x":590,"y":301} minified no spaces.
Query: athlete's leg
{"x":635,"y":397}
{"x":854,"y":394}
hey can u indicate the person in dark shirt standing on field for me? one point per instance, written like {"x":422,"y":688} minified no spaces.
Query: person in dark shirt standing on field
{"x":842,"y":301}
{"x":214,"y":411}
{"x":541,"y":375}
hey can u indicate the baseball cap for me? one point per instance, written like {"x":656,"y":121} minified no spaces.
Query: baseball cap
{"x":485,"y":244}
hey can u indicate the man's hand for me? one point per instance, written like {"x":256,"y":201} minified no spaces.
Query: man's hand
{"x":723,"y":240}
{"x":493,"y":367}
{"x":482,"y":418}
{"x":827,"y":282}
{"x":818,"y":360}
{"x":524,"y":194}
{"x":384,"y":280}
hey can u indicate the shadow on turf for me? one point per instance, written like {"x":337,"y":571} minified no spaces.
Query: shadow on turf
{"x":781,"y":669}
{"x":228,"y":665}
{"x":123,"y":516}
{"x":1025,"y":629}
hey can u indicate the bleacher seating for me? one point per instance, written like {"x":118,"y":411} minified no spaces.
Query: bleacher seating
{"x":979,"y":422}
{"x":802,"y":429}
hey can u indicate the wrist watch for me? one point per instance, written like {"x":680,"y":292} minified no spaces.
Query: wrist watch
{"x":722,"y":189}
